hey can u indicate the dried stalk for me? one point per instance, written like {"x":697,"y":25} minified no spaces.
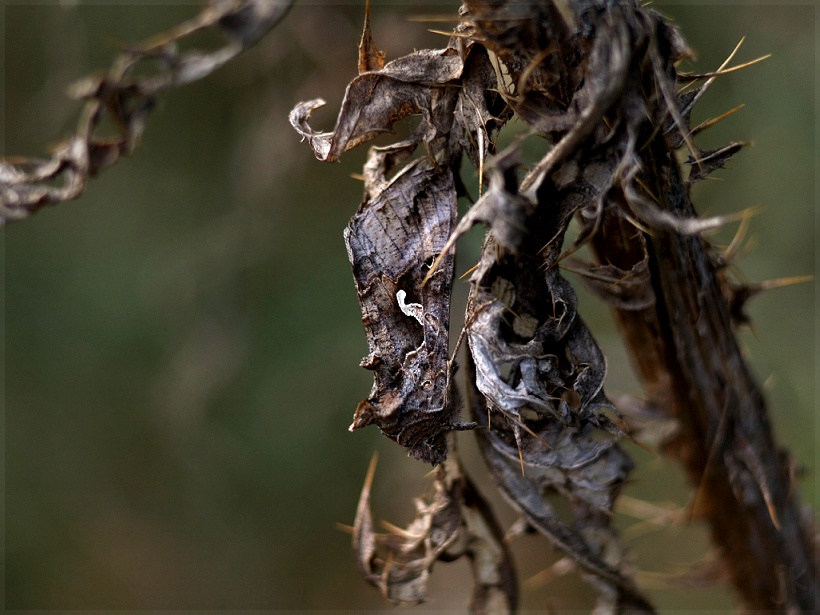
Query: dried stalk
{"x":675,"y":306}
{"x":26,"y":185}
{"x":598,"y":80}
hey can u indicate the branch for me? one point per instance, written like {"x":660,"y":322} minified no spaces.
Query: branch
{"x":611,"y":70}
{"x":28,"y":184}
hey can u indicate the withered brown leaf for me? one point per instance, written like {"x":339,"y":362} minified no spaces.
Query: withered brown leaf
{"x":415,"y":84}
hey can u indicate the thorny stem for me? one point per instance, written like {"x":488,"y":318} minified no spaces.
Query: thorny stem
{"x":688,"y":359}
{"x":680,"y":336}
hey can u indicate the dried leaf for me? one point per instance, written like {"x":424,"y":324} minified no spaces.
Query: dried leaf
{"x":625,"y":290}
{"x":401,"y":229}
{"x":452,"y":521}
{"x":417,"y":84}
{"x":392,"y":241}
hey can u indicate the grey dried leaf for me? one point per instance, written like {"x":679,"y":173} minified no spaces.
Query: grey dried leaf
{"x":502,"y":208}
{"x":493,"y":357}
{"x":480,"y":110}
{"x":392,"y":240}
{"x":576,"y":463}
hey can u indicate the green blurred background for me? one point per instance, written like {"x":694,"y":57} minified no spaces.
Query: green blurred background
{"x":182,"y":343}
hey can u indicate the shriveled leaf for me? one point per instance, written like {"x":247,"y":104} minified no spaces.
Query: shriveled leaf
{"x":452,"y":521}
{"x":392,"y":241}
{"x":625,"y":290}
{"x":417,"y":84}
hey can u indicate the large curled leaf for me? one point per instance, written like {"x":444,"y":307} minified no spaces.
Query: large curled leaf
{"x":392,"y":241}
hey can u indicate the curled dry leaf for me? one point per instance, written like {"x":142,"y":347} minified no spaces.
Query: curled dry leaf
{"x":374,"y":101}
{"x":392,"y":241}
{"x":450,"y":89}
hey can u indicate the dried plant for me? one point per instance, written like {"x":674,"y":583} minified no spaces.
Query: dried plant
{"x":597,"y":80}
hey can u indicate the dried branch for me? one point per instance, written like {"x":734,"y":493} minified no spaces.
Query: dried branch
{"x":598,"y":80}
{"x":26,"y":185}
{"x":616,"y":65}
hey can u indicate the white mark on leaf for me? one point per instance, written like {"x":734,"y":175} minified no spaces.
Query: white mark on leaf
{"x":410,"y":309}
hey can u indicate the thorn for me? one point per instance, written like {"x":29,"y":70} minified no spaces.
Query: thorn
{"x":706,"y":124}
{"x":450,"y":34}
{"x":643,"y":446}
{"x":770,"y":507}
{"x":368,"y":480}
{"x":439,"y":18}
{"x":527,"y":72}
{"x":722,"y":66}
{"x":741,"y":295}
{"x":715,"y":447}
{"x":641,"y":227}
{"x":781,"y":282}
{"x":742,"y":229}
{"x":562,"y":567}
{"x":468,"y":272}
{"x":480,"y":155}
{"x":548,"y":244}
{"x":646,"y":189}
{"x":732,"y":69}
{"x":437,"y":262}
{"x":398,"y":531}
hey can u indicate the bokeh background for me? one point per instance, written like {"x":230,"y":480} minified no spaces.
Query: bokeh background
{"x":182,"y":342}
